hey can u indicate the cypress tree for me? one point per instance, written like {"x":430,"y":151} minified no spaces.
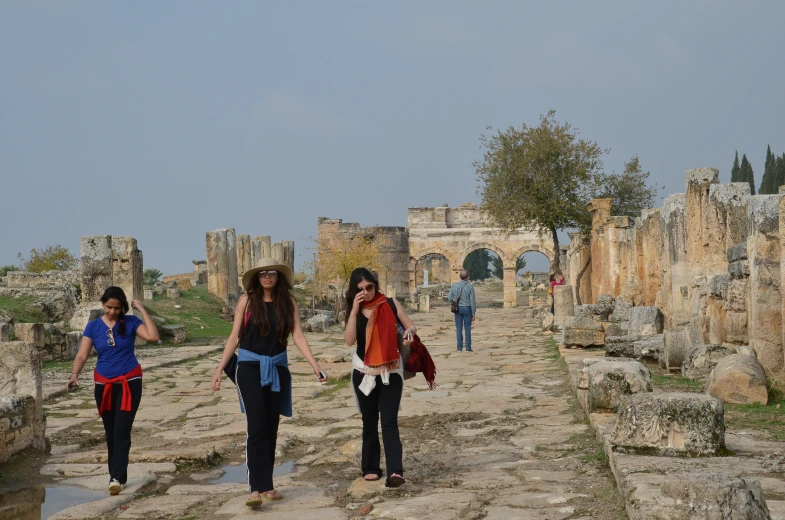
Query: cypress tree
{"x":734,"y":172}
{"x":767,"y":183}
{"x":746,"y":174}
{"x":779,"y":169}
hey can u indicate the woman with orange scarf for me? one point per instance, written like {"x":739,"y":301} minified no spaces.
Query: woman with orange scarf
{"x":372,"y":322}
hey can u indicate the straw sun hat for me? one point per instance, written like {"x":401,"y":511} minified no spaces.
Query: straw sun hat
{"x":269,"y":264}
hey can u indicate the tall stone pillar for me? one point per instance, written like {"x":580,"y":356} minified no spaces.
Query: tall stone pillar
{"x":676,"y":274}
{"x":700,"y":252}
{"x":127,"y":268}
{"x":412,"y":278}
{"x":277,"y":252}
{"x":651,"y":246}
{"x":233,"y":284}
{"x":600,"y":210}
{"x":95,"y":267}
{"x":243,"y":255}
{"x":562,"y":304}
{"x":510,"y":293}
{"x":288,"y":253}
{"x":765,"y":301}
{"x":265,"y":246}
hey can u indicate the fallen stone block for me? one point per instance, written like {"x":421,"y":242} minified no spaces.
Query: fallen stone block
{"x":149,"y":293}
{"x":547,"y":322}
{"x":563,"y":304}
{"x":676,"y":423}
{"x":738,"y":379}
{"x":621,"y":346}
{"x":32,"y":333}
{"x":83,"y":315}
{"x":599,"y":311}
{"x":583,"y":375}
{"x":646,"y":321}
{"x":700,"y":361}
{"x":621,"y":310}
{"x":716,"y":495}
{"x":609,"y":381}
{"x":72,"y":342}
{"x":320,"y":323}
{"x":54,"y":333}
{"x":616,"y":328}
{"x":583,"y":332}
{"x":178,"y":333}
{"x":649,"y":347}
{"x":172,"y":293}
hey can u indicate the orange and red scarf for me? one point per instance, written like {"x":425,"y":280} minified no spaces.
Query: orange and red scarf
{"x":381,"y":334}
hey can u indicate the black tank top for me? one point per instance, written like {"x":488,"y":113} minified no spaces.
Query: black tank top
{"x":362,"y":323}
{"x":253,"y":340}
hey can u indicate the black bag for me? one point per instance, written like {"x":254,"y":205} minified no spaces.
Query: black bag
{"x":231,"y":367}
{"x":454,"y":306}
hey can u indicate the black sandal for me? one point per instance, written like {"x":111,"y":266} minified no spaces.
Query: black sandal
{"x":395,"y":481}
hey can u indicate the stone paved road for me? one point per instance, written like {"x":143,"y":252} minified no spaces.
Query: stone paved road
{"x":501,"y":438}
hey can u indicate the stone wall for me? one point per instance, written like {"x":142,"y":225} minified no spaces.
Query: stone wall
{"x":394,"y":248}
{"x":22,"y":421}
{"x":709,"y":259}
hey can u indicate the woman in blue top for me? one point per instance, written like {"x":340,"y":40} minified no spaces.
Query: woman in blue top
{"x":263,"y":319}
{"x":118,"y":375}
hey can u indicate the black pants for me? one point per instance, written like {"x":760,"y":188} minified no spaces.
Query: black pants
{"x":384,"y":401}
{"x":262,"y":413}
{"x":117,"y":426}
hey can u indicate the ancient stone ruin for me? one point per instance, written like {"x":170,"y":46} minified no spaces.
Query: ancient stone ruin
{"x":230,"y":255}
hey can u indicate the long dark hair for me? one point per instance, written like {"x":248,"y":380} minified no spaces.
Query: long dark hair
{"x":284,"y":309}
{"x":115,"y":293}
{"x":358,"y":275}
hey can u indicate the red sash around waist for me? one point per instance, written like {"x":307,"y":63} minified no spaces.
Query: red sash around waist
{"x":106,"y":398}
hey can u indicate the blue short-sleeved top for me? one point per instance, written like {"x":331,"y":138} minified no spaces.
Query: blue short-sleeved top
{"x":119,"y":359}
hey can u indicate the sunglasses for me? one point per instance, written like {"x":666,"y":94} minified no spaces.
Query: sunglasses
{"x":109,"y":337}
{"x":271,"y":274}
{"x":367,"y":288}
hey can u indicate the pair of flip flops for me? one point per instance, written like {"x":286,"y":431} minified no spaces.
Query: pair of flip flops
{"x":269,"y":496}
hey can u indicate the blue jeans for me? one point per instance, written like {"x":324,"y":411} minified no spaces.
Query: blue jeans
{"x":463,"y":321}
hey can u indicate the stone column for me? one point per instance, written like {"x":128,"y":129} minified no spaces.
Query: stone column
{"x":277,"y":252}
{"x":218,"y":264}
{"x":510,"y":293}
{"x":127,"y":268}
{"x":676,"y":274}
{"x":700,"y":250}
{"x":412,"y":278}
{"x":231,"y":262}
{"x":651,"y":247}
{"x":425,"y":303}
{"x":288,"y":253}
{"x":265,"y":246}
{"x":600,"y":210}
{"x":243,"y":255}
{"x":563,"y":304}
{"x":765,"y":301}
{"x":95,"y":267}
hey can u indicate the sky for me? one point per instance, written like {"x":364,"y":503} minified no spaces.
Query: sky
{"x":163,"y":120}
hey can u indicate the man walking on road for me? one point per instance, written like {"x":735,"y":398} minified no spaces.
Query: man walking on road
{"x":463,"y":293}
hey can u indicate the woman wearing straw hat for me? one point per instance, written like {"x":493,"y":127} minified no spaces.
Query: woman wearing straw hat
{"x":263,"y":319}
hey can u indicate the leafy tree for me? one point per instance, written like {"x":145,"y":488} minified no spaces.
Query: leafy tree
{"x":746,"y":174}
{"x":735,"y":171}
{"x":476,"y":263}
{"x":152,"y":276}
{"x":49,"y":258}
{"x":4,"y":270}
{"x":539,"y":176}
{"x":628,"y":190}
{"x":341,"y":254}
{"x":768,"y":184}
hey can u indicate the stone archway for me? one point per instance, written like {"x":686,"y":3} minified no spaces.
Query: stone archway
{"x":456,"y":232}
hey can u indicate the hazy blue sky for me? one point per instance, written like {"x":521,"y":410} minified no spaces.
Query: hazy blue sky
{"x":162,"y":120}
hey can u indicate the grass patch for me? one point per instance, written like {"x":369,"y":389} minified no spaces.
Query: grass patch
{"x":200,"y":312}
{"x":21,"y":308}
{"x":598,"y":456}
{"x":57,"y":365}
{"x":677,"y":383}
{"x":769,"y":418}
{"x":334,"y":388}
